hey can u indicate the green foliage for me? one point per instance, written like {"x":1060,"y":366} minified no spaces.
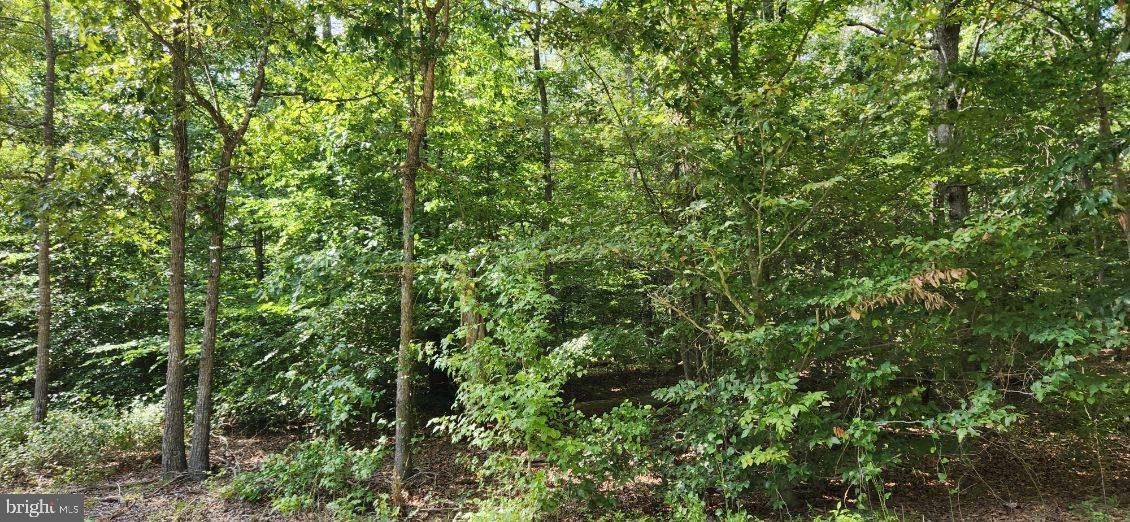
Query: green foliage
{"x":1099,"y":510}
{"x":841,"y":514}
{"x":751,"y":433}
{"x":605,"y":452}
{"x":530,"y":505}
{"x":288,"y":367}
{"x":508,"y":380}
{"x":76,"y":446}
{"x":752,"y":192}
{"x":322,"y":473}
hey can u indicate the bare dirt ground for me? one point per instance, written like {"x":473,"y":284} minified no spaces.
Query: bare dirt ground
{"x":137,"y":493}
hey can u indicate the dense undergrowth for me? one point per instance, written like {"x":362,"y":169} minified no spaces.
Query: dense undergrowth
{"x":861,"y":249}
{"x":320,"y":474}
{"x":75,"y":446}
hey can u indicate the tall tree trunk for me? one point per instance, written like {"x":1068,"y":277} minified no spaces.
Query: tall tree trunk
{"x":232,"y":137}
{"x":198,"y":460}
{"x":172,"y":440}
{"x":951,"y":197}
{"x":43,"y":335}
{"x":953,"y":194}
{"x":404,"y":359}
{"x":434,"y":37}
{"x":543,"y":105}
{"x":734,"y":31}
{"x":555,"y":318}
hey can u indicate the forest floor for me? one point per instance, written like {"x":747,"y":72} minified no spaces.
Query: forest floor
{"x":1039,"y":470}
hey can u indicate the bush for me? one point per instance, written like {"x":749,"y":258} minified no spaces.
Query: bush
{"x":322,"y":473}
{"x":608,"y":450}
{"x":73,"y":445}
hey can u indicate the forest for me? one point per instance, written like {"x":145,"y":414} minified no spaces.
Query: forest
{"x":827,"y":260}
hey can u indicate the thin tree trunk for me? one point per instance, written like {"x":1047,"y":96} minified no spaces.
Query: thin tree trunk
{"x":734,"y":32}
{"x":951,"y":196}
{"x":555,"y":318}
{"x":435,"y":35}
{"x":327,"y":28}
{"x":404,"y":358}
{"x":694,"y":363}
{"x":198,"y":460}
{"x":260,"y":262}
{"x":172,"y":441}
{"x":43,"y":335}
{"x":470,"y":319}
{"x":232,"y":137}
{"x":768,"y":10}
{"x":154,"y":131}
{"x":543,"y":103}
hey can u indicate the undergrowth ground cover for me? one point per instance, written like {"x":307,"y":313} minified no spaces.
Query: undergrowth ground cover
{"x":567,"y":259}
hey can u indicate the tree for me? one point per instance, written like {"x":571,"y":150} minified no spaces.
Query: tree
{"x":43,"y":337}
{"x":435,"y":29}
{"x":231,"y":135}
{"x":589,"y":193}
{"x":173,"y":459}
{"x":546,"y":135}
{"x":172,"y":441}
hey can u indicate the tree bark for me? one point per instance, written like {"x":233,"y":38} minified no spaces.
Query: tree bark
{"x":43,"y":334}
{"x":260,"y":262}
{"x":435,"y":35}
{"x":474,"y":328}
{"x":404,"y":357}
{"x":198,"y":461}
{"x":734,"y":33}
{"x":232,"y":137}
{"x":694,"y":363}
{"x":953,"y":193}
{"x":555,"y":318}
{"x":172,"y":441}
{"x":327,"y":28}
{"x":543,"y":104}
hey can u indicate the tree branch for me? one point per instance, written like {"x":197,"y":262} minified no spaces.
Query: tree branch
{"x":309,"y":98}
{"x":256,"y":91}
{"x":135,"y":10}
{"x":880,"y":32}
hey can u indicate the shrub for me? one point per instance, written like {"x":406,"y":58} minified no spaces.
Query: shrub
{"x":73,"y":445}
{"x":322,"y":473}
{"x":609,"y":449}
